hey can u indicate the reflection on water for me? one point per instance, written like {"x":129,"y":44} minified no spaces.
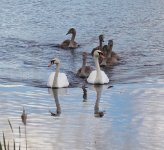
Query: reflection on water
{"x":84,"y":93}
{"x":133,"y":117}
{"x":98,"y":89}
{"x":55,"y":94}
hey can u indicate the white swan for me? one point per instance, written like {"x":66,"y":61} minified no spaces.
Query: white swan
{"x":57,"y":79}
{"x":97,"y":76}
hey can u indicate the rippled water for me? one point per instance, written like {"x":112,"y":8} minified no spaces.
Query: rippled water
{"x":132,"y":103}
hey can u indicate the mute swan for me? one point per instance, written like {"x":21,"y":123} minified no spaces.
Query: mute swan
{"x":97,"y":76}
{"x":84,"y":71}
{"x":100,"y":47}
{"x":111,"y":57}
{"x":57,"y":79}
{"x":70,"y":43}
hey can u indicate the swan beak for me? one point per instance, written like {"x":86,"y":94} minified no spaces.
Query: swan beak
{"x":68,"y":33}
{"x":101,"y":55}
{"x":49,"y":65}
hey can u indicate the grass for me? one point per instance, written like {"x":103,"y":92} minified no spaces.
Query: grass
{"x":5,"y":145}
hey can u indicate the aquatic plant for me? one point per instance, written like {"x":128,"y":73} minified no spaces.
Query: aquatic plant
{"x":4,"y":144}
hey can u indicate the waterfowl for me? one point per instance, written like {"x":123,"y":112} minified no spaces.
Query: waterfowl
{"x":111,"y":57}
{"x":115,"y":55}
{"x":70,"y":43}
{"x":100,"y":47}
{"x":84,"y":71}
{"x":97,"y":76}
{"x":57,"y":79}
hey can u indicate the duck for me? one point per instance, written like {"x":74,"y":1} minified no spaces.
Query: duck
{"x":70,"y":43}
{"x":85,"y":70}
{"x":57,"y":79}
{"x":111,"y":58}
{"x":97,"y":76}
{"x":100,"y":47}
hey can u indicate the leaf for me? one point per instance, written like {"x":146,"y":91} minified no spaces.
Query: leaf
{"x":8,"y":146}
{"x":14,"y":144}
{"x":4,"y":141}
{"x":0,"y":146}
{"x":10,"y":125}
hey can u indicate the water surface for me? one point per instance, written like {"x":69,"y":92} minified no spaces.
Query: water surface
{"x":132,"y":103}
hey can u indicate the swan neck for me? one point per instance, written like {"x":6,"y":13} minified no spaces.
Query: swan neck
{"x":100,"y":44}
{"x":56,"y":75}
{"x":98,"y":75}
{"x":73,"y":37}
{"x":109,"y":51}
{"x":84,"y":62}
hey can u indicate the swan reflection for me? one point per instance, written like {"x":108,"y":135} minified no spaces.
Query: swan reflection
{"x":99,"y":89}
{"x":84,"y":93}
{"x":55,"y":93}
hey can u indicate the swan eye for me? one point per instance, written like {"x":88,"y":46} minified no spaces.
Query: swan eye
{"x":100,"y":53}
{"x":52,"y":61}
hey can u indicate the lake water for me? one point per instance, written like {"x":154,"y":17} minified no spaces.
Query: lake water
{"x":133,"y":101}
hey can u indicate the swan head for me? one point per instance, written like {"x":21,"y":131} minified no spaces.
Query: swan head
{"x":110,"y":43}
{"x":98,"y":53}
{"x":101,"y":37}
{"x":71,"y":31}
{"x":54,"y":61}
{"x":84,"y":55}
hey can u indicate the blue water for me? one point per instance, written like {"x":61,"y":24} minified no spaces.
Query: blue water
{"x":132,"y":102}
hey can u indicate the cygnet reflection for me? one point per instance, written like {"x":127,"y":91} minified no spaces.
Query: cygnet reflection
{"x":84,"y":93}
{"x":55,"y":94}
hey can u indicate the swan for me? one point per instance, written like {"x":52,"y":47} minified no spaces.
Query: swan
{"x":57,"y":79}
{"x":100,"y":47}
{"x":84,"y":71}
{"x":111,"y":57}
{"x":70,"y":43}
{"x":97,"y":76}
{"x":113,"y":54}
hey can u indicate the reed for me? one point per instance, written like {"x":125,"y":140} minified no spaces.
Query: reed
{"x":5,"y":146}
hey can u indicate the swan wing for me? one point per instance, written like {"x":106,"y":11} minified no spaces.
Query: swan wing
{"x":51,"y":79}
{"x":62,"y":80}
{"x":92,"y":77}
{"x":65,"y":44}
{"x":104,"y":77}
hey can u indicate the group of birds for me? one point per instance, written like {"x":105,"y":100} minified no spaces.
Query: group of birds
{"x":102,"y":55}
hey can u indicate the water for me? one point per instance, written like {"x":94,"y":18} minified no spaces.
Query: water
{"x":133,"y":101}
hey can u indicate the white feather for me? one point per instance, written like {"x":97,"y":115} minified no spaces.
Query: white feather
{"x":92,"y":77}
{"x":62,"y":80}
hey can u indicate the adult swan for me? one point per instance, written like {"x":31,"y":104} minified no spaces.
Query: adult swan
{"x":97,"y":76}
{"x":57,"y":79}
